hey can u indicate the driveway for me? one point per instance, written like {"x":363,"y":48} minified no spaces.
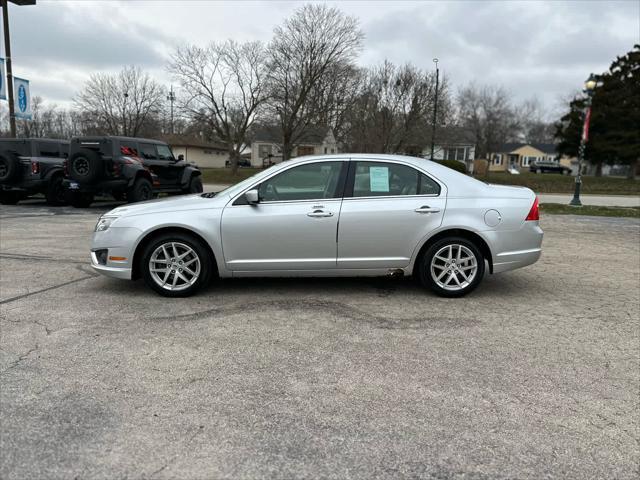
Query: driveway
{"x":536,"y":374}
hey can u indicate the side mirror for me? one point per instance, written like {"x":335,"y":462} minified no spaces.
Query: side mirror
{"x":252,"y":197}
{"x":180,"y":157}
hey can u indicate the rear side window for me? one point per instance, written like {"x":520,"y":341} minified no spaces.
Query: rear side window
{"x":380,"y":179}
{"x":129,"y":148}
{"x":48,"y":149}
{"x":148,"y":151}
{"x":19,"y":147}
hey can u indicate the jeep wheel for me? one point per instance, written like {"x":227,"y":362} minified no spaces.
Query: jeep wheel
{"x":176,"y":265}
{"x":140,"y":191}
{"x":55,"y":193}
{"x":9,"y":166}
{"x":79,"y":199}
{"x":9,"y":198}
{"x":195,"y":185}
{"x":86,"y":166}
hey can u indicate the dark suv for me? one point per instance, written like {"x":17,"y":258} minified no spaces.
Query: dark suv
{"x":133,"y":168}
{"x":32,"y":165}
{"x":548,"y":167}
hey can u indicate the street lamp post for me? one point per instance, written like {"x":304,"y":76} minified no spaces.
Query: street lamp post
{"x":435,"y":111}
{"x":589,"y":87}
{"x":7,"y":53}
{"x":171,"y":97}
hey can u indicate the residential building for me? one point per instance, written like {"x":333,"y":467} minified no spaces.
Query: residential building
{"x":267,"y":141}
{"x":453,"y":143}
{"x":521,"y":155}
{"x":204,"y":154}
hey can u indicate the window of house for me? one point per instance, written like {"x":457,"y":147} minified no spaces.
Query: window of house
{"x":312,"y":181}
{"x":264,"y":151}
{"x":325,"y":150}
{"x":375,"y":179}
{"x":148,"y":151}
{"x":526,"y":161}
{"x":497,"y":159}
{"x":333,"y":150}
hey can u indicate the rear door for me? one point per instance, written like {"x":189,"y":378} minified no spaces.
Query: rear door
{"x":388,"y":208}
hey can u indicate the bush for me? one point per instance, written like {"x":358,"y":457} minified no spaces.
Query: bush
{"x":454,"y":164}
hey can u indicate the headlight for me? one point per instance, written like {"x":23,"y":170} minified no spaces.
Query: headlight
{"x":104,"y":223}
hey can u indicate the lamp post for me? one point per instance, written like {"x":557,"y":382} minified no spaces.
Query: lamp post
{"x":435,"y":111}
{"x":7,"y":54}
{"x":589,"y":87}
{"x":171,"y":97}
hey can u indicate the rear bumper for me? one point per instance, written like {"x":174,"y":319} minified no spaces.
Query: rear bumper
{"x":516,"y":248}
{"x":106,"y":186}
{"x":27,"y":186}
{"x":506,"y":261}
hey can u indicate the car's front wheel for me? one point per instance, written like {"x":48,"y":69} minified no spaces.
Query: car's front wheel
{"x":452,"y":267}
{"x":176,"y":265}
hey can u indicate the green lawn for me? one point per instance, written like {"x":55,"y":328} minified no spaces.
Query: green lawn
{"x":555,"y":183}
{"x":559,"y":208}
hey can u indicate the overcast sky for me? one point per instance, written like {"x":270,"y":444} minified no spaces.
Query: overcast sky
{"x":534,"y":49}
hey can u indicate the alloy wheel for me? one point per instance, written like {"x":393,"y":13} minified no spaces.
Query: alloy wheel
{"x":174,"y":266}
{"x":454,"y":267}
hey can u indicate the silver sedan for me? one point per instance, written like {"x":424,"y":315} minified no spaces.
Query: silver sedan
{"x":339,"y":215}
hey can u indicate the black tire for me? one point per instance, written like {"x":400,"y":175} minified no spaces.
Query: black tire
{"x":56,"y":194}
{"x":86,"y":166}
{"x":9,"y":198}
{"x":9,"y":167}
{"x":79,"y":199}
{"x":205,"y":273}
{"x":141,"y":191}
{"x":195,"y":185}
{"x":427,"y":273}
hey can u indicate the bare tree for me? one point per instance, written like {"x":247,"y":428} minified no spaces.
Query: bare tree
{"x":315,"y":46}
{"x":123,"y":104}
{"x":223,"y":89}
{"x":533,"y":127}
{"x":487,"y":112}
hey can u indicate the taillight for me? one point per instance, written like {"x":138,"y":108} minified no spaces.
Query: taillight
{"x":35,"y":167}
{"x":534,"y":213}
{"x":65,"y":168}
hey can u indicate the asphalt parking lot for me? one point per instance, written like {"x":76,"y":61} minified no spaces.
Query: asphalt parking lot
{"x":534,"y":375}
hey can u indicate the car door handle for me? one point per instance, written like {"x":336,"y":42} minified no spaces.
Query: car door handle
{"x":427,"y":209}
{"x":319,"y":213}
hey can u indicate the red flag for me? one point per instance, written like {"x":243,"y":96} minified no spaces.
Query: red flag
{"x":585,"y":128}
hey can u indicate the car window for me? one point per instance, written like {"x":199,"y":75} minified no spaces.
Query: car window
{"x":48,"y":149}
{"x":148,"y":151}
{"x":164,"y":152}
{"x":129,"y":148}
{"x":305,"y":182}
{"x":379,"y":179}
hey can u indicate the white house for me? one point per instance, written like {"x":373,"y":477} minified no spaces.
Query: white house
{"x":265,"y":145}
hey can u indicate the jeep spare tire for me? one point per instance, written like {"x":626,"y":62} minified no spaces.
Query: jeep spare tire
{"x":86,"y":166}
{"x":9,"y":166}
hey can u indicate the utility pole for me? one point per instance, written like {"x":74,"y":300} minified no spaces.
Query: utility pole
{"x":171,"y":97}
{"x":7,"y":54}
{"x":435,"y":110}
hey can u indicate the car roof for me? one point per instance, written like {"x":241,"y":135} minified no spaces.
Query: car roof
{"x":99,"y":138}
{"x":25,"y":140}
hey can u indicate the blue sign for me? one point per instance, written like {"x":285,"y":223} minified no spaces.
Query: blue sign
{"x":3,"y":93}
{"x":22,"y":100}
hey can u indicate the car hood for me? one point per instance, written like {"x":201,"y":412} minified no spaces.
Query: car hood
{"x":172,"y":204}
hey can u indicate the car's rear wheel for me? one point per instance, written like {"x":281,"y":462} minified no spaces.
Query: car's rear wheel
{"x":9,"y":167}
{"x":141,"y":191}
{"x":452,"y":267}
{"x":176,"y":265}
{"x":55,"y":193}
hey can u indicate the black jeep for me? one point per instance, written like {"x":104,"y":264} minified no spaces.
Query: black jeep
{"x":32,"y":165}
{"x":133,"y":168}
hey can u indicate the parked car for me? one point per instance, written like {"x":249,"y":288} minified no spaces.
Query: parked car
{"x":548,"y":167}
{"x":134,"y":169}
{"x":242,"y":163}
{"x":29,"y":166}
{"x":356,"y":215}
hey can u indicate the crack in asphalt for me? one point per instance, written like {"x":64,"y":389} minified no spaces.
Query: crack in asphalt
{"x":40,"y":258}
{"x":20,"y":359}
{"x":177,"y":455}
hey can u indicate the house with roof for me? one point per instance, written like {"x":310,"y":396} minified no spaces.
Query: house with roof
{"x":204,"y":154}
{"x":521,"y":155}
{"x":453,"y":143}
{"x":267,"y":140}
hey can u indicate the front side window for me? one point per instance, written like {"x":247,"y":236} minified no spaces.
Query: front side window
{"x":313,"y":181}
{"x":378,"y":179}
{"x":164,"y":152}
{"x":148,"y":151}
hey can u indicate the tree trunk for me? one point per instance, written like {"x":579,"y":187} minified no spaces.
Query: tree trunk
{"x":598,"y":169}
{"x":233,"y":161}
{"x":287,"y":148}
{"x":633,"y":169}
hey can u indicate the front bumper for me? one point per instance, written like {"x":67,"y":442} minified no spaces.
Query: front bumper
{"x":120,"y":243}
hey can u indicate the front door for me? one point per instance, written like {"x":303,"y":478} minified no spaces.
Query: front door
{"x":294,"y":225}
{"x":159,"y":159}
{"x":387,"y":210}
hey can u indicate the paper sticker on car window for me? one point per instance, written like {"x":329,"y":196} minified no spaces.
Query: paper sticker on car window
{"x":379,"y":179}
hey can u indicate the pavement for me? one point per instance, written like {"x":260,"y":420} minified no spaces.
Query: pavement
{"x":534,"y":375}
{"x":564,"y":198}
